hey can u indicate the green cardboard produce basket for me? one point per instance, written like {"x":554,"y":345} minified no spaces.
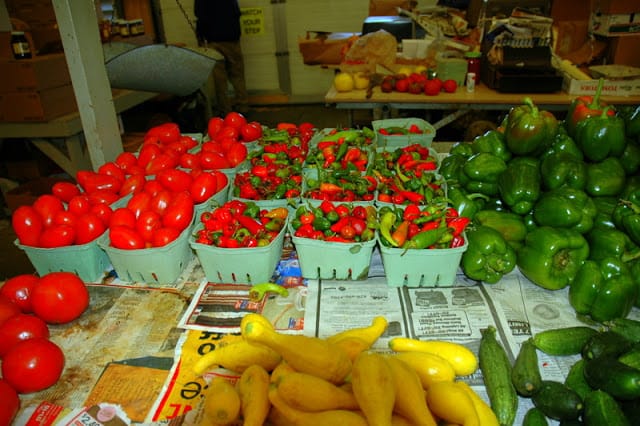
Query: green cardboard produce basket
{"x":421,"y":268}
{"x":388,"y":141}
{"x":332,"y":260}
{"x":88,"y":261}
{"x":245,"y":265}
{"x":156,"y":265}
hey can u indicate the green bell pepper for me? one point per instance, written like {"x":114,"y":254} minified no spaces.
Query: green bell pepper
{"x":630,"y":158}
{"x":601,"y":136}
{"x":565,"y":144}
{"x":604,"y":212}
{"x":467,"y":205}
{"x":626,"y":216}
{"x":606,"y":178}
{"x":565,"y":208}
{"x":529,"y":131}
{"x":509,"y":224}
{"x":488,"y":256}
{"x":492,"y":142}
{"x":563,"y":169}
{"x":520,"y":184}
{"x":614,"y":243}
{"x":603,"y":290}
{"x":451,"y":168}
{"x":631,"y":116}
{"x":461,"y":148}
{"x":482,"y":171}
{"x":551,"y":257}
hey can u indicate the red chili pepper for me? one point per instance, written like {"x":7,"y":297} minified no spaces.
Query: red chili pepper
{"x":343,"y":221}
{"x":337,"y":239}
{"x":457,"y":241}
{"x":404,"y":157}
{"x":252,"y":225}
{"x":329,"y":187}
{"x":292,"y":193}
{"x":248,"y":191}
{"x":326,"y":144}
{"x":342,"y":210}
{"x":397,"y":198}
{"x":260,"y":170}
{"x":413,"y":230}
{"x":359,"y":211}
{"x":413,"y":197}
{"x":426,"y":165}
{"x":411,"y":212}
{"x":326,"y":206}
{"x":430,"y":225}
{"x":458,"y":224}
{"x":383,"y":131}
{"x":373,"y":183}
{"x":305,"y":230}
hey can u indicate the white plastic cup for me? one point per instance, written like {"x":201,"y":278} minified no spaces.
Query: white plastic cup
{"x":471,"y":82}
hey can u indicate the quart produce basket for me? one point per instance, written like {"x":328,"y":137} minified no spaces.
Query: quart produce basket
{"x":388,"y":141}
{"x":245,"y":265}
{"x":156,"y":265}
{"x":421,"y":267}
{"x":88,"y":260}
{"x":332,"y":260}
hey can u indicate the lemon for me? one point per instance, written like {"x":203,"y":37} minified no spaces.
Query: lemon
{"x":343,"y":81}
{"x":360,"y":80}
{"x":420,"y":69}
{"x":405,"y":70}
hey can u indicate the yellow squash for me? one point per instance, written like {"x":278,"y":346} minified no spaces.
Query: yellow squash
{"x":373,"y":386}
{"x":253,"y":388}
{"x":369,"y":334}
{"x":410,"y":398}
{"x":221,"y":404}
{"x":485,"y":414}
{"x":352,"y":345}
{"x":306,"y":354}
{"x":429,"y":367}
{"x":238,"y":356}
{"x":464,"y":361}
{"x":310,"y":393}
{"x":451,"y":403}
{"x":281,"y":369}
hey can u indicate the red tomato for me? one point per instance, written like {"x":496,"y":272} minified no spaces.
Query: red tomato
{"x":103,"y":196}
{"x":165,"y":132}
{"x":65,"y":217}
{"x":132,"y":184}
{"x":189,"y":161}
{"x":235,"y":119}
{"x":122,"y":217}
{"x":228,"y":132}
{"x":65,"y":191}
{"x":174,"y":179}
{"x":148,"y":222}
{"x":10,"y":403}
{"x":112,"y":169}
{"x":99,"y":182}
{"x":212,"y":146}
{"x":204,"y":186}
{"x":221,"y":179}
{"x":237,"y":153}
{"x":125,"y":238}
{"x":47,"y":206}
{"x":162,"y":161}
{"x":7,"y":309}
{"x":213,"y":161}
{"x":103,"y":211}
{"x":89,"y":227}
{"x":164,"y":236}
{"x":153,"y":187}
{"x":180,"y":212}
{"x":139,"y":202}
{"x":33,"y":365}
{"x":160,"y":201}
{"x":147,"y":153}
{"x":21,"y":327}
{"x":59,"y":297}
{"x":251,"y":131}
{"x":57,"y":236}
{"x":18,"y":290}
{"x":125,"y":160}
{"x":27,"y":224}
{"x":214,"y":125}
{"x":79,"y":204}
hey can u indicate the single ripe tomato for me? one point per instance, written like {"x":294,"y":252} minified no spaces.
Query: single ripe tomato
{"x":122,"y":216}
{"x":65,"y":191}
{"x":59,"y":297}
{"x":132,"y":185}
{"x":103,"y":211}
{"x":57,"y":236}
{"x":47,"y":206}
{"x":65,"y":217}
{"x":213,"y":160}
{"x":251,"y":131}
{"x":89,"y":227}
{"x":21,"y":327}
{"x":164,"y":236}
{"x":234,"y":119}
{"x":18,"y":290}
{"x":27,"y":224}
{"x":33,"y":365}
{"x":450,"y":86}
{"x":236,"y":153}
{"x":203,"y":187}
{"x":179,"y":213}
{"x":79,"y":204}
{"x":10,"y":403}
{"x":147,"y":224}
{"x":7,"y":309}
{"x":175,"y":180}
{"x":125,"y":160}
{"x":125,"y":238}
{"x":213,"y":126}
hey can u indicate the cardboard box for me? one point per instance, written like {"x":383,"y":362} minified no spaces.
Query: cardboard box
{"x":610,"y":88}
{"x":613,"y":25}
{"x":38,"y":73}
{"x":623,"y":50}
{"x":503,"y":7}
{"x":41,"y":105}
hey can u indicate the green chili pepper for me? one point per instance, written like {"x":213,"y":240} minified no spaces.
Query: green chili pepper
{"x":425,"y":239}
{"x":321,"y":223}
{"x":258,"y":291}
{"x":386,"y":223}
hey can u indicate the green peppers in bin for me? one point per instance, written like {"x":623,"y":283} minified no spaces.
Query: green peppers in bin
{"x":604,"y":212}
{"x":529,"y":131}
{"x":488,"y":256}
{"x":563,"y":169}
{"x":492,"y":142}
{"x":510,"y":225}
{"x":467,"y":205}
{"x":565,"y":208}
{"x":563,"y":143}
{"x":603,"y":289}
{"x":451,"y":168}
{"x":601,"y":136}
{"x":604,"y":243}
{"x":520,"y":184}
{"x":605,"y":178}
{"x":482,"y":171}
{"x":551,"y":257}
{"x":630,"y":158}
{"x":626,"y":215}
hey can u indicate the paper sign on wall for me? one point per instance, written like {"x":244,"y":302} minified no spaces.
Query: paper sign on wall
{"x":252,"y":21}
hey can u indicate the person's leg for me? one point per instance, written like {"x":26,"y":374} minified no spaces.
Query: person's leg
{"x":235,"y":73}
{"x":220,"y":81}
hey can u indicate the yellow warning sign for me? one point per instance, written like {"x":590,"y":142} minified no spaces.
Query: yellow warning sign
{"x":252,"y":21}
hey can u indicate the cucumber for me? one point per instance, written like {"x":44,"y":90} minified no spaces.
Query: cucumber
{"x":631,"y":357}
{"x":575,"y":379}
{"x":600,"y":408}
{"x":557,"y":401}
{"x":534,"y":417}
{"x":525,"y":374}
{"x":496,"y":373}
{"x":563,"y":341}
{"x":627,"y":327}
{"x":619,"y":380}
{"x":605,"y":343}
